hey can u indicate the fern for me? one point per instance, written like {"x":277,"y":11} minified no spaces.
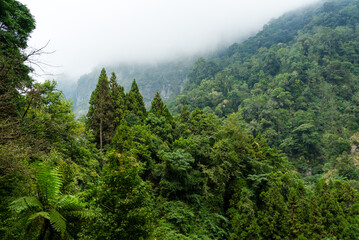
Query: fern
{"x":39,"y":214}
{"x":49,"y":182}
{"x":57,"y":221}
{"x":51,"y":205}
{"x":69,"y":202}
{"x":25,"y":203}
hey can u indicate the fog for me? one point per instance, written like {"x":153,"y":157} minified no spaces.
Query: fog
{"x":85,"y":34}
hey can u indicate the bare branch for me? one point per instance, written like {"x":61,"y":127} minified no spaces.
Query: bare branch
{"x":31,"y":59}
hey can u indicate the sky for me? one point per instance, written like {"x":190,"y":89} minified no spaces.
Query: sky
{"x":83,"y":34}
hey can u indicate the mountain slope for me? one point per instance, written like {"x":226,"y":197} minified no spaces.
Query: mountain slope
{"x":296,"y":82}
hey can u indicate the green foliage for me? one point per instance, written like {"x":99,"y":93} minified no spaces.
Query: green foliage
{"x":179,"y":179}
{"x":101,"y":112}
{"x":295,"y":82}
{"x":134,"y":102}
{"x":167,"y":77}
{"x":160,"y":126}
{"x":243,"y":217}
{"x":118,"y":99}
{"x":203,"y":174}
{"x":17,"y":23}
{"x":123,"y":200}
{"x":48,"y":207}
{"x":159,"y":109}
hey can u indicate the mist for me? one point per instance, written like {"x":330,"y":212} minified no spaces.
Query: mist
{"x":85,"y":34}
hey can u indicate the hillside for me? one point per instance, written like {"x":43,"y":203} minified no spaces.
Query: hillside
{"x":264,"y":144}
{"x":295,"y":82}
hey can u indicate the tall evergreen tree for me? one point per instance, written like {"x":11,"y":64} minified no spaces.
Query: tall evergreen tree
{"x":159,"y":109}
{"x":16,"y":24}
{"x":101,"y":112}
{"x":274,"y":218}
{"x":134,"y":102}
{"x":118,"y":99}
{"x":243,"y":216}
{"x":184,"y":114}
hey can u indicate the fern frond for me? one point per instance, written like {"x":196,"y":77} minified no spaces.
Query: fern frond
{"x":25,"y":203}
{"x":57,"y":221}
{"x":49,"y":182}
{"x":39,"y":214}
{"x":69,"y":202}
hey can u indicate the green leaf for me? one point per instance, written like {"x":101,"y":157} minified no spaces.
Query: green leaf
{"x":49,"y":182}
{"x":25,"y":203}
{"x":57,"y":221}
{"x":39,"y":214}
{"x":69,"y":202}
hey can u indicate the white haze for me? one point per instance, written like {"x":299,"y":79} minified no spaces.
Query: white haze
{"x":86,"y":33}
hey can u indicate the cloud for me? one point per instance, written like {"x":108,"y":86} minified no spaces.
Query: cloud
{"x":84,"y":34}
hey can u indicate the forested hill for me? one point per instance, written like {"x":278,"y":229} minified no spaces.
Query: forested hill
{"x":126,"y":172}
{"x":296,"y":82}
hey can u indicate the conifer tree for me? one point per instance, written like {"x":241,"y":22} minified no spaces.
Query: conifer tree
{"x":243,"y":217}
{"x":118,"y":99}
{"x":134,"y":102}
{"x":101,"y":112}
{"x":113,"y":86}
{"x":159,"y":109}
{"x":296,"y":211}
{"x":184,"y":114}
{"x":273,"y":219}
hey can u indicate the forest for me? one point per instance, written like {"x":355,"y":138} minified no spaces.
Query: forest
{"x":262,"y":143}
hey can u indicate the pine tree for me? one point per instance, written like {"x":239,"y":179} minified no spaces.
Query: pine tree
{"x":184,"y":114}
{"x":296,"y":210}
{"x":101,"y":112}
{"x":118,"y":99}
{"x":273,"y":219}
{"x":134,"y":102}
{"x":316,"y":226}
{"x":159,"y":109}
{"x":243,"y":216}
{"x":123,"y":200}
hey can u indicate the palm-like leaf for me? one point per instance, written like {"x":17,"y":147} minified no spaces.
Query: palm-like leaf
{"x":49,"y":182}
{"x":57,"y":221}
{"x":51,"y":205}
{"x":45,"y":215}
{"x":25,"y":203}
{"x":71,"y":206}
{"x":69,"y":202}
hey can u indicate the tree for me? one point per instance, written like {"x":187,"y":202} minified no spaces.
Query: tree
{"x":296,"y":210}
{"x":16,"y":24}
{"x":159,"y":109}
{"x":101,"y":112}
{"x":179,"y":179}
{"x":243,"y":216}
{"x":123,"y":200}
{"x":273,"y":219}
{"x":134,"y":102}
{"x":48,"y":210}
{"x":118,"y":99}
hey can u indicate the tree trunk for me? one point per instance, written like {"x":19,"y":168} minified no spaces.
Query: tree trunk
{"x":44,"y":227}
{"x":52,"y":232}
{"x":101,"y":134}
